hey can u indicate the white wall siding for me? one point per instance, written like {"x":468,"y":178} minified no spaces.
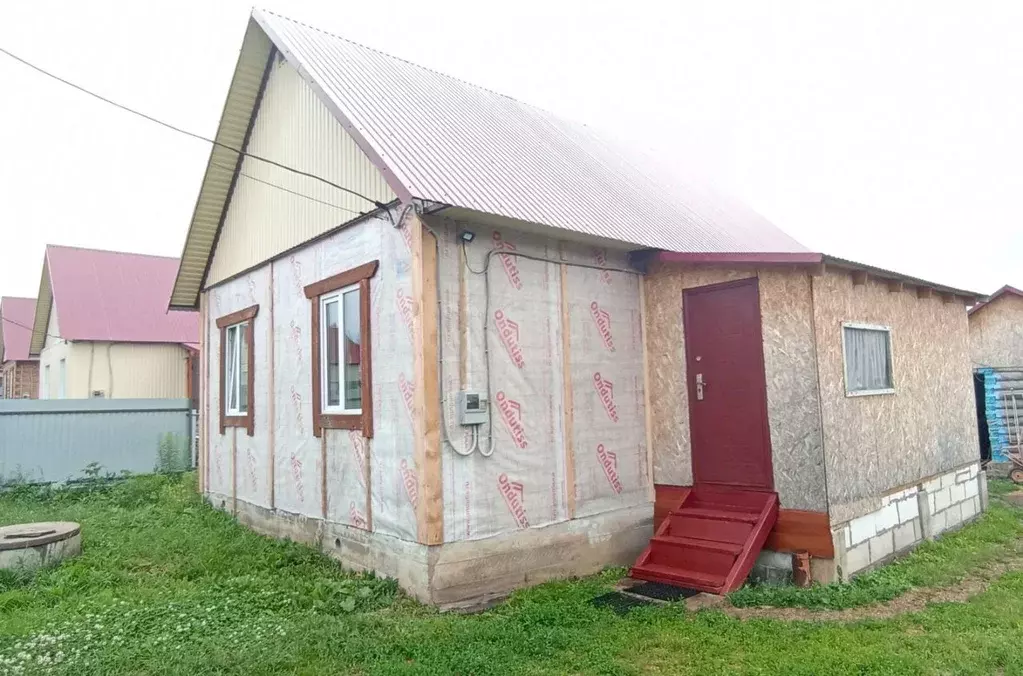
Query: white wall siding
{"x":55,"y":349}
{"x":292,"y":127}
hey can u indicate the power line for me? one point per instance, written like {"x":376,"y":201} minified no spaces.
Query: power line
{"x":11,"y":321}
{"x":288,"y":190}
{"x":299,"y":172}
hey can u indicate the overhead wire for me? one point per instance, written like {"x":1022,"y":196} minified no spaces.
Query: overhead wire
{"x":168,"y":125}
{"x":11,"y":321}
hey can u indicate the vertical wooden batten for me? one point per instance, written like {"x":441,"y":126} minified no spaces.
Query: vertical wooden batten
{"x":271,"y":409}
{"x":203,"y":391}
{"x":566,"y":376}
{"x":430,"y":510}
{"x":234,"y":470}
{"x":323,"y":472}
{"x":646,"y":387}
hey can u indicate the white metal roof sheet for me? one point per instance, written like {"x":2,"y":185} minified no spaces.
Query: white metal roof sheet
{"x":443,"y":140}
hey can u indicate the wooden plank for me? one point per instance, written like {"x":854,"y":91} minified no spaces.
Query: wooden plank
{"x":271,"y":411}
{"x":204,"y":424}
{"x":648,"y":415}
{"x":323,"y":473}
{"x":798,"y":530}
{"x":667,"y":498}
{"x":751,"y":550}
{"x":234,"y":470}
{"x":430,"y":511}
{"x":566,"y":378}
{"x":315,"y":356}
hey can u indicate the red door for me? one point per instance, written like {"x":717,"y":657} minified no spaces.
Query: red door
{"x":727,"y":388}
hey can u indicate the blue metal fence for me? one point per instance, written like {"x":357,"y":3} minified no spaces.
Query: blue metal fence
{"x":52,"y":440}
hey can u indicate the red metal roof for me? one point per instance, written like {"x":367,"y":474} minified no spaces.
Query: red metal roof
{"x":17,"y":315}
{"x":1010,"y":290}
{"x":116,"y":296}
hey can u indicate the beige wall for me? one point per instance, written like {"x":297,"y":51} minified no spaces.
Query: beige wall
{"x":119,"y":370}
{"x":791,"y":379}
{"x":875,"y":444}
{"x":292,"y":127}
{"x":55,"y":349}
{"x":996,"y":333}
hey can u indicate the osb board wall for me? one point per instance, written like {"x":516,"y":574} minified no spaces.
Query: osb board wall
{"x":996,"y":333}
{"x":875,"y":444}
{"x":792,"y":403}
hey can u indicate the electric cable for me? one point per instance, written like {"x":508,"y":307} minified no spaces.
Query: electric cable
{"x":168,"y":125}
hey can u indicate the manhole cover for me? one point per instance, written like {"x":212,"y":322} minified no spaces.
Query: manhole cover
{"x":25,"y":534}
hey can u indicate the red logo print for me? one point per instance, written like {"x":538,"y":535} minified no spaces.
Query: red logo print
{"x":296,"y":475}
{"x":359,"y":451}
{"x":406,"y":234}
{"x":609,"y":461}
{"x":606,"y":391}
{"x":600,"y":258}
{"x":296,"y":272}
{"x":602,"y":318}
{"x":296,"y":401}
{"x":411,"y":483}
{"x":408,"y":395}
{"x":405,"y":310}
{"x":295,"y":336}
{"x":509,"y":332}
{"x":513,"y":492}
{"x":511,"y":413}
{"x":250,"y":457}
{"x":357,"y":518}
{"x":511,"y":268}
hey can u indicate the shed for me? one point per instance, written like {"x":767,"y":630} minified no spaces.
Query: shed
{"x":996,"y":349}
{"x":462,"y":342}
{"x":101,"y":328}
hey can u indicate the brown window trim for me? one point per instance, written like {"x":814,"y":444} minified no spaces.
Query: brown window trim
{"x":362,"y":421}
{"x":247,"y":421}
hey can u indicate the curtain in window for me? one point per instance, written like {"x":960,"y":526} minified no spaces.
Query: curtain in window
{"x":867,"y":360}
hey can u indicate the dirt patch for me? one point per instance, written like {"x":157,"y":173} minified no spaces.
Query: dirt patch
{"x":1015,"y":498}
{"x":912,"y":601}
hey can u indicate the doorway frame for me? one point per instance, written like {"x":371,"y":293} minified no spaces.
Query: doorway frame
{"x":753,"y":281}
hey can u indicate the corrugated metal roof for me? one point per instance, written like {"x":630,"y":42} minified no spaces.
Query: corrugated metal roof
{"x":1005,"y":290}
{"x":115,"y":296}
{"x":17,"y":316}
{"x":444,"y":140}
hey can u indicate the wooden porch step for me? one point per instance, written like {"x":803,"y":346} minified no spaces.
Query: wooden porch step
{"x":687,"y":578}
{"x":696,"y":543}
{"x":717,"y":514}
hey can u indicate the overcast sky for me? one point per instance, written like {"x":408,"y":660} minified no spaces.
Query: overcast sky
{"x":884,"y":132}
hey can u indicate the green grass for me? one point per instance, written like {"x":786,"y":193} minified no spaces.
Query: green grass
{"x":169,"y":586}
{"x":933,"y":564}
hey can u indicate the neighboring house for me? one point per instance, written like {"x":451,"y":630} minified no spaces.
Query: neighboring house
{"x":19,"y":371}
{"x":101,"y":327}
{"x":521,"y":344}
{"x":996,"y":349}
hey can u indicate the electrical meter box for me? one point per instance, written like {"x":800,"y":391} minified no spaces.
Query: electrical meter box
{"x":473,"y":408}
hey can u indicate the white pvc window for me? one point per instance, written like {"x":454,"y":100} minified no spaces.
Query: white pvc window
{"x":868,"y":359}
{"x":341,"y":351}
{"x":45,"y":392}
{"x":62,"y":383}
{"x":236,"y":374}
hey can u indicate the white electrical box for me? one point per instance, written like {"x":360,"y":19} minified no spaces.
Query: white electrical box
{"x":473,"y":408}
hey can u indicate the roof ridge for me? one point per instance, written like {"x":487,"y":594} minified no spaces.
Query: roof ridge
{"x":111,"y":251}
{"x":419,"y":66}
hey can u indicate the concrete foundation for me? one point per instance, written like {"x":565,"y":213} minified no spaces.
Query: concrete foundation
{"x":31,"y":546}
{"x":467,"y":575}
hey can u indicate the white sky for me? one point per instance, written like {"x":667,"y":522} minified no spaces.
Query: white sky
{"x":883,"y":132}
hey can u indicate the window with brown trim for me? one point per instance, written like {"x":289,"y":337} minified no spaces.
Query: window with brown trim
{"x":342,"y":366}
{"x":236,"y":373}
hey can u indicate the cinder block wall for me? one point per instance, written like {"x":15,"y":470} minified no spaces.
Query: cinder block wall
{"x":908,"y":517}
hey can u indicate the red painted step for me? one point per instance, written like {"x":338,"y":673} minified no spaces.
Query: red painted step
{"x":711,"y":540}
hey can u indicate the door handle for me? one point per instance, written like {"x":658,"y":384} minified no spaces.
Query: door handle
{"x":699,"y":386}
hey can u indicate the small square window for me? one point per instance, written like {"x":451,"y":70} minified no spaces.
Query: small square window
{"x":868,"y":359}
